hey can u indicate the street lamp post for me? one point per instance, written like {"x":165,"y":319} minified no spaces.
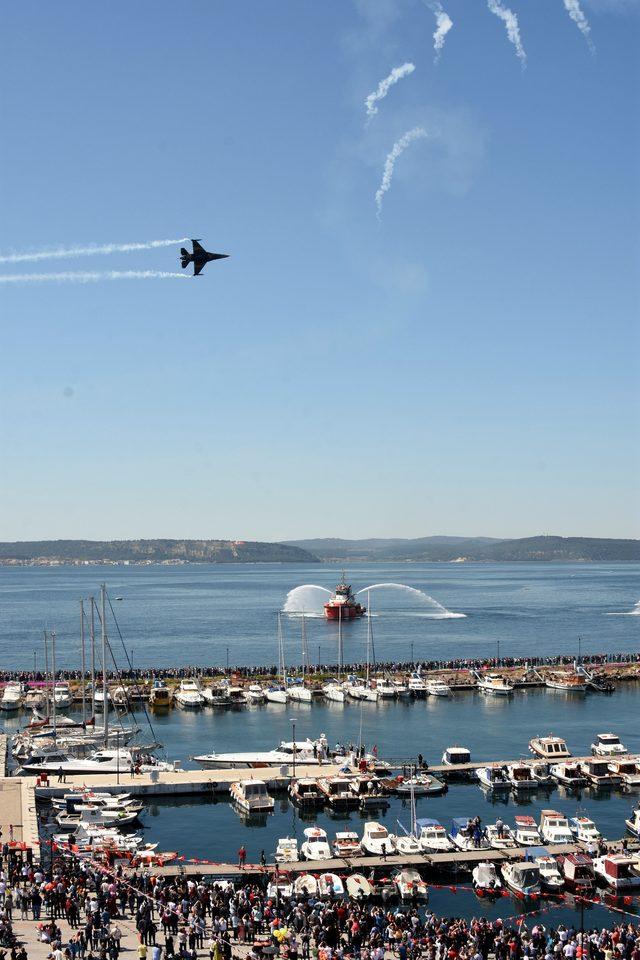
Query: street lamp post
{"x":293,"y":723}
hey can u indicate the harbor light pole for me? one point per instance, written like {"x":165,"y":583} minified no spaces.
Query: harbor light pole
{"x":293,"y":723}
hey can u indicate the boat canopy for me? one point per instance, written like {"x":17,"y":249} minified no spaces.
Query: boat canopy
{"x":428,"y":822}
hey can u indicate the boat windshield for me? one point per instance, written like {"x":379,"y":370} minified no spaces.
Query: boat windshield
{"x":380,"y":834}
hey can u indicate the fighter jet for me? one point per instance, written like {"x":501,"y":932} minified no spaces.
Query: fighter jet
{"x":199,"y":258}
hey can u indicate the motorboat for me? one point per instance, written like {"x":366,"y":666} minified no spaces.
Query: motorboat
{"x":567,"y":683}
{"x":549,"y":748}
{"x":280,"y":887}
{"x":456,"y":758}
{"x":436,"y":687}
{"x":406,"y":843}
{"x":234,"y":694}
{"x":527,"y":833}
{"x":368,"y":792}
{"x":217,"y":696}
{"x":276,"y":694}
{"x":315,"y":846}
{"x":520,"y":776}
{"x":420,"y":784}
{"x":554,"y":827}
{"x":608,"y":745}
{"x":494,"y":778}
{"x":306,"y":794}
{"x":465,"y":835}
{"x":101,"y":761}
{"x":568,"y":774}
{"x":485,"y":880}
{"x":577,"y":870}
{"x":618,"y":871}
{"x":333,"y":691}
{"x":305,"y":885}
{"x":358,"y":887}
{"x":522,"y":877}
{"x":160,"y":696}
{"x":550,"y":877}
{"x":11,"y":697}
{"x":103,"y":817}
{"x":633,"y":823}
{"x":121,"y":697}
{"x":432,"y":836}
{"x":359,"y":690}
{"x":251,"y":759}
{"x":627,"y":770}
{"x":35,"y":699}
{"x":500,"y":836}
{"x":410,"y":885}
{"x":255,"y":693}
{"x":62,"y":696}
{"x":417,"y":686}
{"x":298,"y":692}
{"x":305,"y":749}
{"x":189,"y":695}
{"x":585,"y":830}
{"x":330,"y":885}
{"x":99,"y":699}
{"x":376,"y":839}
{"x":287,"y":850}
{"x":541,"y":773}
{"x":385,"y":688}
{"x":494,"y":684}
{"x":598,"y":774}
{"x":401,"y":689}
{"x":251,"y":795}
{"x":73,"y":798}
{"x":337,"y":792}
{"x":346,"y":844}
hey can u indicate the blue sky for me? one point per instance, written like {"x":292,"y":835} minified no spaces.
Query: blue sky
{"x":466,"y":365}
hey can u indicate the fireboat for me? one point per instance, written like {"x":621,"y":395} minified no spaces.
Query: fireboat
{"x":343,"y":604}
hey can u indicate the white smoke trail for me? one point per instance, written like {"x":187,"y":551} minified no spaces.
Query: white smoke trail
{"x":92,"y":276}
{"x":417,"y":133}
{"x":385,"y":85}
{"x":63,"y":253}
{"x":443,"y":25}
{"x":510,"y":21}
{"x":576,"y":13}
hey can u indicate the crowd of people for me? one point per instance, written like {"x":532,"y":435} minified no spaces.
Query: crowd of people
{"x":184,"y":918}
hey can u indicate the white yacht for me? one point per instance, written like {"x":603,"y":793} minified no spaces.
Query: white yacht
{"x":62,"y":695}
{"x":255,"y":693}
{"x":568,"y":774}
{"x":189,"y":695}
{"x":520,"y":776}
{"x":287,"y":850}
{"x":333,"y":691}
{"x":494,"y":684}
{"x":102,"y":761}
{"x":299,"y":693}
{"x":464,"y":835}
{"x":500,"y":836}
{"x":11,"y":697}
{"x":436,"y":687}
{"x":417,"y":686}
{"x":315,"y":845}
{"x":254,"y":759}
{"x":401,"y":689}
{"x":386,"y":690}
{"x":554,"y":827}
{"x":627,"y":770}
{"x":494,"y":778}
{"x":376,"y":839}
{"x":527,"y":833}
{"x":608,"y":745}
{"x":251,"y":795}
{"x":584,"y":830}
{"x":549,"y":748}
{"x":633,"y":823}
{"x":432,"y":836}
{"x":99,"y":699}
{"x":276,"y":694}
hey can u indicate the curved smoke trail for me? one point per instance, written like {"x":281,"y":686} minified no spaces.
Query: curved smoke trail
{"x":417,"y":133}
{"x":92,"y":276}
{"x":510,"y":21}
{"x":385,"y":85}
{"x":92,"y":250}
{"x":443,"y":25}
{"x":576,"y":13}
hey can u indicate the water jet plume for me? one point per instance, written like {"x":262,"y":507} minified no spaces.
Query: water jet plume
{"x":576,"y":13}
{"x":440,"y":612}
{"x":307,"y":600}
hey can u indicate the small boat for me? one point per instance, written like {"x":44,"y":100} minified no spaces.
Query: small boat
{"x":62,"y":695}
{"x":337,"y":792}
{"x":608,"y":745}
{"x":523,"y":878}
{"x":618,"y":871}
{"x":333,"y":691}
{"x":287,"y":850}
{"x":436,"y":687}
{"x":369,"y":792}
{"x":627,"y":770}
{"x":160,"y":696}
{"x":410,"y":885}
{"x":466,"y":836}
{"x":251,"y":795}
{"x":299,"y":693}
{"x":500,"y":836}
{"x":432,"y":836}
{"x":633,"y":823}
{"x":598,"y":774}
{"x":417,"y":686}
{"x":11,"y":697}
{"x":306,"y":794}
{"x":255,"y":694}
{"x":315,"y":846}
{"x":189,"y":695}
{"x":401,"y":689}
{"x":305,"y":885}
{"x":346,"y":844}
{"x":276,"y":694}
{"x":577,"y":870}
{"x":485,"y":880}
{"x":281,"y":887}
{"x":520,"y":777}
{"x":99,"y":699}
{"x":494,"y":778}
{"x":550,"y":877}
{"x":549,"y":748}
{"x":406,"y":843}
{"x":585,"y":830}
{"x":421,"y":784}
{"x":567,"y":683}
{"x":330,"y":885}
{"x":385,"y":688}
{"x":494,"y":684}
{"x":358,"y":887}
{"x":377,"y":840}
{"x":103,"y":817}
{"x":527,"y":833}
{"x":569,"y":775}
{"x":554,"y":827}
{"x":456,"y":757}
{"x":541,"y":773}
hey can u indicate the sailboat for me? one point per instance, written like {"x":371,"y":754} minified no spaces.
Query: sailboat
{"x":297,"y":690}
{"x":333,"y":689}
{"x":408,"y":842}
{"x":277,"y":693}
{"x":360,"y":690}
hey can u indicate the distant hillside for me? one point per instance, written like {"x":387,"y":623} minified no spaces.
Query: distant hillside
{"x":474,"y":548}
{"x":49,"y":552}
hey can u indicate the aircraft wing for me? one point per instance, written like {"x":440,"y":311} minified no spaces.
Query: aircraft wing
{"x":198,"y":266}
{"x":197,"y":248}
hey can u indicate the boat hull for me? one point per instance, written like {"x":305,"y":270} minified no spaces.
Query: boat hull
{"x":343,"y":611}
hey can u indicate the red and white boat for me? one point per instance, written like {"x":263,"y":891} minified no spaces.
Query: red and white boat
{"x":343,"y":604}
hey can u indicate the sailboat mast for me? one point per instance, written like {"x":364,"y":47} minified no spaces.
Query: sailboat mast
{"x":281,"y":665}
{"x":46,"y":674}
{"x":84,"y":684}
{"x":340,"y":656}
{"x":105,"y":689}
{"x":53,"y":679}
{"x":305,"y":652}
{"x":92,"y":637}
{"x":368,"y":635}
